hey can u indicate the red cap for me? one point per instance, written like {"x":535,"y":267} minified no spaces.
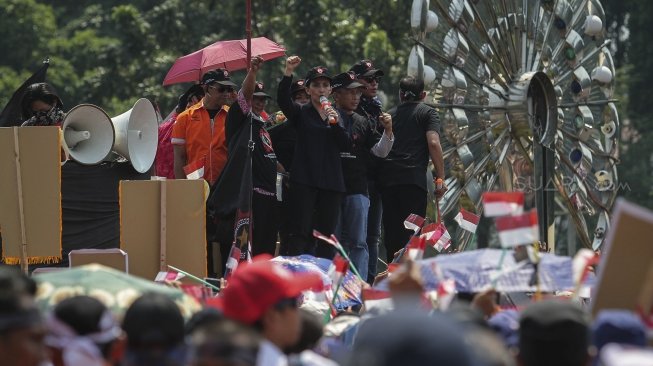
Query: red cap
{"x":257,"y":286}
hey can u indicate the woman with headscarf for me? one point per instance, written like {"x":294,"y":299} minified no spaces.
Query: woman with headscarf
{"x":41,"y":106}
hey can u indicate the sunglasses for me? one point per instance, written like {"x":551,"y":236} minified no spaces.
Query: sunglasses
{"x":222,"y":89}
{"x":291,"y":302}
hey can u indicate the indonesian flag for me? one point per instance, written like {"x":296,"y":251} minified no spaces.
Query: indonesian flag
{"x":375,"y":299}
{"x":437,"y":236}
{"x":414,"y":222}
{"x":518,"y":230}
{"x":415,"y":247}
{"x":467,"y":220}
{"x":168,"y":276}
{"x":503,"y":203}
{"x":232,"y":261}
{"x":392,"y":267}
{"x":446,"y":293}
{"x":338,"y":269}
{"x":331,"y":240}
{"x":195,"y":170}
{"x":583,"y":260}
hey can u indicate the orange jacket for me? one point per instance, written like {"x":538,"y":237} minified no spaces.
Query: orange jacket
{"x":204,"y":139}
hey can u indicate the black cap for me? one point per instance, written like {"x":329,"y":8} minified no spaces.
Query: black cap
{"x":316,"y":72}
{"x":365,"y":68}
{"x":297,"y":86}
{"x":258,"y":90}
{"x":346,"y":80}
{"x":555,"y":332}
{"x":415,"y":339}
{"x":220,"y":76}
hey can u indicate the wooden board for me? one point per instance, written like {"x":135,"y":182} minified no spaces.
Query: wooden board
{"x":40,"y":174}
{"x":185,"y":225}
{"x":626,"y":259}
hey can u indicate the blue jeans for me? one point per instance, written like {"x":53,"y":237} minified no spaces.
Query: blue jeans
{"x":352,"y":230}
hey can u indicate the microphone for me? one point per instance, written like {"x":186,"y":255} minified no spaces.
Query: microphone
{"x":326,"y":104}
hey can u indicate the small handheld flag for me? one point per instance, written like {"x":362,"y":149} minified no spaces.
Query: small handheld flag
{"x":503,"y":203}
{"x":518,"y":230}
{"x":467,"y":220}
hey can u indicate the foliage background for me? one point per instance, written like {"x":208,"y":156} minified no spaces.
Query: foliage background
{"x":112,"y":52}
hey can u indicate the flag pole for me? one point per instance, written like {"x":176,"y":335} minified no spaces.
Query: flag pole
{"x":248,"y":31}
{"x":250,"y":150}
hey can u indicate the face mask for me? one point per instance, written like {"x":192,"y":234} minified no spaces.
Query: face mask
{"x":46,"y":118}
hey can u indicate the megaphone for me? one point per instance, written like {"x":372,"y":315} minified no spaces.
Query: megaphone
{"x":88,"y":134}
{"x":137,"y":135}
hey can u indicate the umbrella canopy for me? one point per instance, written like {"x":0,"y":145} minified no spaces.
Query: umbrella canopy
{"x":475,"y":270}
{"x":117,"y":290}
{"x":348,"y":294}
{"x":230,"y":55}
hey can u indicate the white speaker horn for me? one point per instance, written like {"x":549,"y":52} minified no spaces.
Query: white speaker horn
{"x":137,"y":135}
{"x":88,"y":134}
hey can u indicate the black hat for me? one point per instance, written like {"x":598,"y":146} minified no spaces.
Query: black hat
{"x":258,"y":90}
{"x":346,"y":80}
{"x":316,"y":72}
{"x":220,"y":76}
{"x":364,"y":68}
{"x":554,"y":332}
{"x":415,"y":339}
{"x":297,"y":86}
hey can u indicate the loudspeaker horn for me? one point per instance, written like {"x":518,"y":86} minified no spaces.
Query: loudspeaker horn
{"x":137,"y":135}
{"x":88,"y":134}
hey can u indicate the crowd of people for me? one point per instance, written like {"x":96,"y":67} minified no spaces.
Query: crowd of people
{"x":342,"y":169}
{"x":348,"y":169}
{"x":315,"y":166}
{"x":261,"y":318}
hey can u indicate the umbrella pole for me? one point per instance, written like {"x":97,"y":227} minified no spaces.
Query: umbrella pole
{"x":248,"y":31}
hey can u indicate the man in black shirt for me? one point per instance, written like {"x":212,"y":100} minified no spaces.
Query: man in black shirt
{"x":370,"y":107}
{"x":402,"y":174}
{"x":224,"y":198}
{"x":352,"y":226}
{"x":316,"y":174}
{"x":284,"y":138}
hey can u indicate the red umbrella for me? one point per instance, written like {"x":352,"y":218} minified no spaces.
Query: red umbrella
{"x":230,"y":55}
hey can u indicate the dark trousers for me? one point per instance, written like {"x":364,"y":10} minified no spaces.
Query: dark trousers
{"x":398,"y":202}
{"x":373,"y":228}
{"x":265,"y":224}
{"x":312,"y":208}
{"x":285,"y":219}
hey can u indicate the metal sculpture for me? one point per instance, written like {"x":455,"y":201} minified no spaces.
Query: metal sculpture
{"x":525,"y":94}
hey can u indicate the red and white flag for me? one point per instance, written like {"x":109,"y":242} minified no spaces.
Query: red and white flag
{"x":446,"y":293}
{"x":375,"y":299}
{"x":518,"y":230}
{"x":415,"y":247}
{"x":168,"y":276}
{"x":503,"y":203}
{"x":232,"y":261}
{"x":338,"y":269}
{"x":414,"y":222}
{"x":195,"y":170}
{"x":467,"y":220}
{"x":581,"y":264}
{"x":437,"y":236}
{"x":331,"y":240}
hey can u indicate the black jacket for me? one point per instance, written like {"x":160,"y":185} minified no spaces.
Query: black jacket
{"x":316,"y":161}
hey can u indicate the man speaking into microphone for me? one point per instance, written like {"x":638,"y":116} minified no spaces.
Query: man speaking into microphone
{"x":316,"y":180}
